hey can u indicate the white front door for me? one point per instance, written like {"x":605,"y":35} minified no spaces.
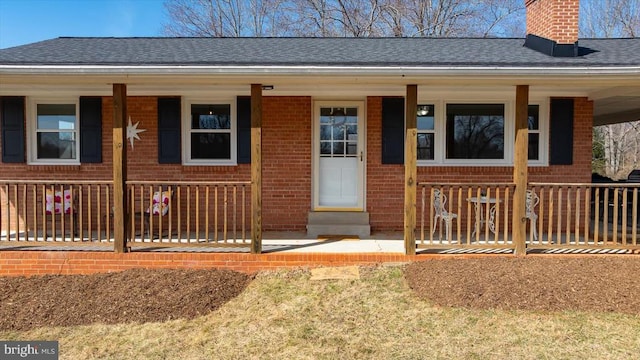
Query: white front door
{"x":339,"y":156}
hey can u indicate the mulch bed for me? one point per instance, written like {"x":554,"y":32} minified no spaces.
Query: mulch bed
{"x":599,"y":284}
{"x":121,"y":297}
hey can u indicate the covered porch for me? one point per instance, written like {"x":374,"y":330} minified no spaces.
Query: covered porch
{"x":125,"y":215}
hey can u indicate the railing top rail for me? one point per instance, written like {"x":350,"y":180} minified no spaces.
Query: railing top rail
{"x":176,"y":183}
{"x":607,"y":185}
{"x":56,"y":182}
{"x":466,"y":184}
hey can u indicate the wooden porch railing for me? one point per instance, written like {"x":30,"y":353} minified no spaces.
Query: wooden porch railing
{"x":563,"y":216}
{"x":589,"y":216}
{"x":464,"y":215}
{"x":41,"y":212}
{"x":196,"y":213}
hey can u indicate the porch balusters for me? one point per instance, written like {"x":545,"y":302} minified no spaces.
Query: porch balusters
{"x":196,"y":213}
{"x":478,"y":215}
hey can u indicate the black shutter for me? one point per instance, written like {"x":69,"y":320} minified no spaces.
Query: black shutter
{"x":90,"y":130}
{"x":244,"y":129}
{"x":393,"y":130}
{"x":561,"y":132}
{"x":169,"y":137}
{"x":12,"y":119}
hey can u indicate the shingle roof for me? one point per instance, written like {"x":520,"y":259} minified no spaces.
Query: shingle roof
{"x":482,"y":52}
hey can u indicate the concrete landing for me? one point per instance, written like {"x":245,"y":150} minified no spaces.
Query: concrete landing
{"x":322,"y":223}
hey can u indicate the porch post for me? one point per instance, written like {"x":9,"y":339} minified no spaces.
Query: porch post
{"x":410,"y":171}
{"x":520,"y":165}
{"x":256,"y":168}
{"x":119,"y":167}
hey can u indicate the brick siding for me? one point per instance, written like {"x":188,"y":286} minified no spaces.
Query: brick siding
{"x":287,"y":171}
{"x":554,"y":19}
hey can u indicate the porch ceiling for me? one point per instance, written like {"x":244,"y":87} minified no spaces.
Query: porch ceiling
{"x":616,"y":105}
{"x":616,"y":96}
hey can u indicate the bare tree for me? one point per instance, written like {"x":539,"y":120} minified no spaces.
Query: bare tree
{"x":620,"y":142}
{"x":621,"y":148}
{"x":610,"y":18}
{"x":500,"y":18}
{"x":359,"y":18}
{"x":312,"y":18}
{"x":349,"y":18}
{"x":220,"y":18}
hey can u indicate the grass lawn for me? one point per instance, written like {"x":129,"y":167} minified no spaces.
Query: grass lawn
{"x":284,"y":315}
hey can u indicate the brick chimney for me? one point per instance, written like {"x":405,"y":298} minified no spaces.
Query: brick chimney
{"x":552,"y":26}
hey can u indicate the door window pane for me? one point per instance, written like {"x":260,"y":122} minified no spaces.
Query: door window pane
{"x":338,"y":132}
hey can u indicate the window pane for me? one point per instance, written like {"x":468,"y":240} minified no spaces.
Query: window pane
{"x":338,"y":148}
{"x":325,"y":132}
{"x":534,"y":147}
{"x":533,"y":119}
{"x":425,"y":146}
{"x":475,"y":131}
{"x":352,"y":148}
{"x":56,"y":145}
{"x":56,"y":116}
{"x":325,"y":147}
{"x":211,"y":146}
{"x":338,"y":132}
{"x":425,"y":122}
{"x":211,"y":116}
{"x":352,"y":132}
{"x":325,"y":115}
{"x":425,"y":117}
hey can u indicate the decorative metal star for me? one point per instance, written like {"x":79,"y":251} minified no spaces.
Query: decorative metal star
{"x":133,"y":131}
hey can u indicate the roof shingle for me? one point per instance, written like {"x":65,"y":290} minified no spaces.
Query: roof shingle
{"x":435,"y":52}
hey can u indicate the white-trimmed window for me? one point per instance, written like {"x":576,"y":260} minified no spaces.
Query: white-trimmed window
{"x":477,"y":133}
{"x":54,"y":127}
{"x":210,"y":133}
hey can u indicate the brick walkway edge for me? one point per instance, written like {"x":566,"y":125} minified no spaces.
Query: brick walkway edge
{"x":26,"y":263}
{"x":21,"y":263}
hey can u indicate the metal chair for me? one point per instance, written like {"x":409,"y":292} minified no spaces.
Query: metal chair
{"x":441,"y":213}
{"x":532,"y":201}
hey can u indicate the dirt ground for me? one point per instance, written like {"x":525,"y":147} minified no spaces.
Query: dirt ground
{"x":601,"y":284}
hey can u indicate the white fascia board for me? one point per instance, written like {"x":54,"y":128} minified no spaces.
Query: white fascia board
{"x":319,"y":70}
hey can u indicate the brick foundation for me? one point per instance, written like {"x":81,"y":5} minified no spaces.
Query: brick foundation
{"x":14,"y":263}
{"x":29,"y":263}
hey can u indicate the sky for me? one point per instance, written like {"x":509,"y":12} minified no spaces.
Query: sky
{"x":28,"y":21}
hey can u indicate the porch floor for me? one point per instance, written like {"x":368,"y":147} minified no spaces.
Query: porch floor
{"x":299,"y":242}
